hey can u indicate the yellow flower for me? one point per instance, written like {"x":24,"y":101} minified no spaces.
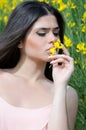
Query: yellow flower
{"x":67,"y":41}
{"x":52,"y":50}
{"x":57,"y":46}
{"x":71,"y":5}
{"x":59,"y":1}
{"x":62,"y":7}
{"x":3,"y":3}
{"x":75,"y":62}
{"x":21,"y":0}
{"x":84,"y":52}
{"x":54,"y":1}
{"x":5,"y":19}
{"x":83,"y":28}
{"x":40,"y":0}
{"x":84,"y":16}
{"x":67,"y":14}
{"x":14,"y":3}
{"x":81,"y":48}
{"x":71,"y":25}
{"x":77,"y":32}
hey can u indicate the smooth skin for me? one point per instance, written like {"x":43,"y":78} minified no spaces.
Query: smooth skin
{"x":26,"y":86}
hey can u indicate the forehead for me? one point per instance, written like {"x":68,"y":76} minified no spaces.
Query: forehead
{"x":47,"y":21}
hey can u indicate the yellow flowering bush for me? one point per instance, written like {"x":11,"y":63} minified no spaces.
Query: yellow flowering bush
{"x":74,"y":13}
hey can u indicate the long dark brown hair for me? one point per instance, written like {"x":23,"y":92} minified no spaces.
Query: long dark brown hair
{"x":20,"y":21}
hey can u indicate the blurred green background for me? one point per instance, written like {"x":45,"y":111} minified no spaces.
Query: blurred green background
{"x":74,"y":13}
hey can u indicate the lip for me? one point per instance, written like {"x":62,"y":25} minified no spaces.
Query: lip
{"x":49,"y":48}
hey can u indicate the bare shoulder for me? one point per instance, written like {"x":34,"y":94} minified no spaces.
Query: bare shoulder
{"x":72,"y":100}
{"x":5,"y":81}
{"x":2,"y":75}
{"x":3,"y":78}
{"x":72,"y":93}
{"x":72,"y":96}
{"x":72,"y":106}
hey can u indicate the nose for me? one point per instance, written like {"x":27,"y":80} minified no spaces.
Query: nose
{"x":52,"y":38}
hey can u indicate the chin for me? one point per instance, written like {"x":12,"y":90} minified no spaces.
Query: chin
{"x":46,"y":59}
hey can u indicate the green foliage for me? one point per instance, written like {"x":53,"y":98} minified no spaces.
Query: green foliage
{"x":74,"y":13}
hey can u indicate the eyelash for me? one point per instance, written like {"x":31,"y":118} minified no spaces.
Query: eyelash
{"x":56,"y":34}
{"x":43,"y":34}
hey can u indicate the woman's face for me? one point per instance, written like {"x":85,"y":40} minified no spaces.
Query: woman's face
{"x":40,"y":37}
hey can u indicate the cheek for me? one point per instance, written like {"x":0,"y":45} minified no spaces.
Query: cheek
{"x":32,"y":46}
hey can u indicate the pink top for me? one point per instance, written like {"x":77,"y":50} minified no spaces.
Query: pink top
{"x":18,"y":118}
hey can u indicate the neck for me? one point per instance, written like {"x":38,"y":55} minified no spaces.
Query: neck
{"x":30,"y":69}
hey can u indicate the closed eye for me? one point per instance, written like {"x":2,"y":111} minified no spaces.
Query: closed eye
{"x":41,"y":34}
{"x":56,"y":34}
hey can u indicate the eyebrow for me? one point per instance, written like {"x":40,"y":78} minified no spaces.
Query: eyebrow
{"x":45,"y":28}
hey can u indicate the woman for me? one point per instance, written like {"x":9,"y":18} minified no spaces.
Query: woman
{"x":34,"y":96}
